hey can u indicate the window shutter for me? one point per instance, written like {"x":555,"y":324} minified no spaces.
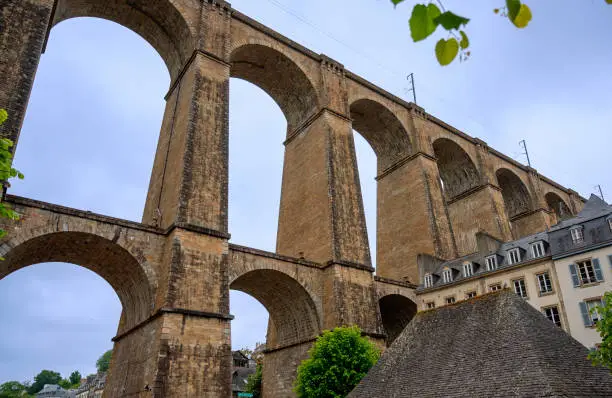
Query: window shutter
{"x":585,"y":314}
{"x":610,"y":259}
{"x":574,"y":275}
{"x":597,"y":269}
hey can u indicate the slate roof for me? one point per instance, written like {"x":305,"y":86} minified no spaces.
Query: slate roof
{"x":495,"y":345}
{"x":479,"y":263}
{"x":240,"y":378}
{"x":595,"y":207}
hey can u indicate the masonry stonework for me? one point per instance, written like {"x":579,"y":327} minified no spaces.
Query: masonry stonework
{"x":173,"y":271}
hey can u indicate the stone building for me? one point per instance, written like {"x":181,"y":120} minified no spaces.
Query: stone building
{"x":242,"y":369}
{"x":93,"y":387}
{"x":54,"y":391}
{"x":581,"y":250}
{"x":562,"y":272}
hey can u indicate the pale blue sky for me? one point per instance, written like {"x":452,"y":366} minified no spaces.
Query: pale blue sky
{"x":92,"y":124}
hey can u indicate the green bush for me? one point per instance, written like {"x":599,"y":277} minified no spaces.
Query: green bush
{"x":338,"y":361}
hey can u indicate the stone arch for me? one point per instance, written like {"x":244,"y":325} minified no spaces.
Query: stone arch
{"x":159,"y":22}
{"x":557,"y":205}
{"x":280,"y":77}
{"x":293,"y":313}
{"x":106,"y":258}
{"x":396,"y":312}
{"x":383,"y":130}
{"x":457,"y":170}
{"x":516,"y":196}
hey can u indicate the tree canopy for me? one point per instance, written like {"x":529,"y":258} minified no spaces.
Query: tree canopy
{"x":103,"y":363}
{"x":44,"y":377}
{"x":7,"y":172}
{"x":603,"y":354}
{"x":12,"y":389}
{"x":254,"y":382}
{"x":337,"y":362}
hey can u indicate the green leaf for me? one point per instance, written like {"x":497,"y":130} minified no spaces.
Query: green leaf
{"x":396,"y":2}
{"x":3,"y":116}
{"x":446,"y":51}
{"x":523,"y":17}
{"x":513,"y":8}
{"x":422,"y":21}
{"x":450,"y":20}
{"x":465,"y":42}
{"x":609,"y":1}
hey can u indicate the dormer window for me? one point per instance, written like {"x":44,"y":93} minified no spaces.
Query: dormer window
{"x":577,"y":235}
{"x":468,"y":269}
{"x":537,"y":249}
{"x":491,"y":262}
{"x":447,"y":275}
{"x":514,"y":256}
{"x":610,"y":223}
{"x":428,"y":280}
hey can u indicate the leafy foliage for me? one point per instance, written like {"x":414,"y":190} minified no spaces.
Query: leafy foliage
{"x":75,"y":378}
{"x":12,"y":389}
{"x":103,"y":363}
{"x":7,"y":172}
{"x":44,"y":377}
{"x":338,"y":361}
{"x":426,"y":18}
{"x":603,"y":354}
{"x":254,"y":382}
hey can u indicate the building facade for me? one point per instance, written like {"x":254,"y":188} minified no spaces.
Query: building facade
{"x":582,"y":254}
{"x":563,"y":272}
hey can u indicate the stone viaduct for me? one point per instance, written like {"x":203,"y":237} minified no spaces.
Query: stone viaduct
{"x":437,"y":187}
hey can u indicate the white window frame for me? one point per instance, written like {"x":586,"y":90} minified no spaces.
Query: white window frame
{"x":537,"y":249}
{"x":430,"y":305}
{"x":593,"y":303}
{"x":447,"y":275}
{"x":610,"y":223}
{"x":428,"y":280}
{"x":491,"y":262}
{"x":589,"y":272}
{"x":521,"y":288}
{"x":470,"y":295}
{"x":514,"y":256}
{"x":554,"y":318}
{"x":544,"y":283}
{"x":468,"y":269}
{"x":577,"y":234}
{"x":450,"y":300}
{"x":495,"y":287}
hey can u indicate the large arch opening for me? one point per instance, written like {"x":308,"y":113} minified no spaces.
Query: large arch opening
{"x":293,"y":314}
{"x":280,"y":77}
{"x":94,"y":115}
{"x":516,"y":196}
{"x":381,"y":142}
{"x":110,"y":261}
{"x":55,"y":316}
{"x":383,"y":131}
{"x":160,"y":23}
{"x":557,"y":206}
{"x":257,"y":129}
{"x":457,"y":171}
{"x":396,"y":312}
{"x":293,"y":323}
{"x":129,"y":278}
